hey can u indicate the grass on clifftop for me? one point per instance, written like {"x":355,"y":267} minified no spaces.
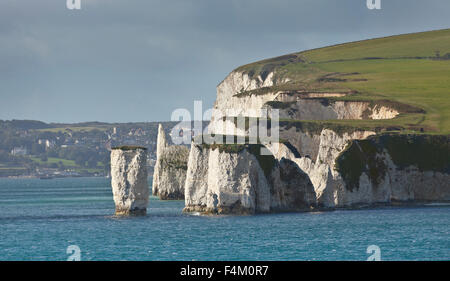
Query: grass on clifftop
{"x":412,"y":69}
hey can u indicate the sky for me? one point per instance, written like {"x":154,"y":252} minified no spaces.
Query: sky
{"x":139,"y":60}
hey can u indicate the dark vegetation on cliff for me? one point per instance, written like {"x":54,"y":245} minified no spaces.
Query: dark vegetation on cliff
{"x":425,"y":152}
{"x":409,"y":72}
{"x":175,"y":157}
{"x":128,"y":148}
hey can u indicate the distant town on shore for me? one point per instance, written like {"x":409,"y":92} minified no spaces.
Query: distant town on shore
{"x":31,"y":148}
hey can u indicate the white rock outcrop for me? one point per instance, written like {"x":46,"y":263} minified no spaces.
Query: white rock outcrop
{"x":169,"y":173}
{"x":321,"y":109}
{"x":240,"y":182}
{"x":237,"y":82}
{"x":218,"y":181}
{"x":231,"y":102}
{"x":129,"y":180}
{"x":318,"y":162}
{"x":395,"y":184}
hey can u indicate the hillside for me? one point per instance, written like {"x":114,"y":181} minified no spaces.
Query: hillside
{"x":410,"y":72}
{"x":35,"y":148}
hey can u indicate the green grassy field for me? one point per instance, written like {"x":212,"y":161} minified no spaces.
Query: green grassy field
{"x":68,"y":164}
{"x":422,"y":44}
{"x":51,"y":160}
{"x":404,"y":69}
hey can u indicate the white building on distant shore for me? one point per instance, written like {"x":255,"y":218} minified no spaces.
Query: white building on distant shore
{"x":19,"y":151}
{"x":48,"y":143}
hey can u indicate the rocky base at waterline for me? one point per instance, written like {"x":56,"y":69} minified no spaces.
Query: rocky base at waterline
{"x":237,"y":179}
{"x":170,"y":170}
{"x":129,"y":180}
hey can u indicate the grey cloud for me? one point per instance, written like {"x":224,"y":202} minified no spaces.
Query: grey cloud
{"x":67,"y":66}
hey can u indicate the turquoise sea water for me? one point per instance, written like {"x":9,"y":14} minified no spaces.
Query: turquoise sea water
{"x":39,"y":219}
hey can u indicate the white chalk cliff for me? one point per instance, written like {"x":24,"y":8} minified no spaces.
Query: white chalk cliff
{"x":391,"y":183}
{"x":234,"y":98}
{"x":170,"y":169}
{"x":334,"y":167}
{"x":241,"y":182}
{"x":129,"y":180}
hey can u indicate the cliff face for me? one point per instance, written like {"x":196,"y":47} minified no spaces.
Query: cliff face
{"x":239,"y":181}
{"x":170,"y":169}
{"x":237,"y":82}
{"x":235,"y":97}
{"x":320,"y":109}
{"x":369,"y":171}
{"x":343,"y":166}
{"x":129,"y":180}
{"x":226,"y":101}
{"x":404,"y":167}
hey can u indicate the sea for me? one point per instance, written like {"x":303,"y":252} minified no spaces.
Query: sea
{"x":73,"y":219}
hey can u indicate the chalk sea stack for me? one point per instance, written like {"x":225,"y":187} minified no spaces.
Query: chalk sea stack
{"x":129,"y":180}
{"x":170,"y":169}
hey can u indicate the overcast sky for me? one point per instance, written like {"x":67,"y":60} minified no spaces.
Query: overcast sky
{"x":138,"y":60}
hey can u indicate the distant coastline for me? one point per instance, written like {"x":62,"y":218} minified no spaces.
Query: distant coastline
{"x":34,"y":149}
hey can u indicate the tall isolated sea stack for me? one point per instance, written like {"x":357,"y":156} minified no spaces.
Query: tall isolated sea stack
{"x":170,"y":169}
{"x":129,"y":180}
